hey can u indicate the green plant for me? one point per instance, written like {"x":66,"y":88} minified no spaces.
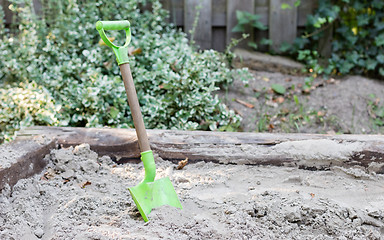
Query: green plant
{"x":25,"y":105}
{"x":59,"y":52}
{"x":358,"y":38}
{"x":375,"y":110}
{"x":246,"y":20}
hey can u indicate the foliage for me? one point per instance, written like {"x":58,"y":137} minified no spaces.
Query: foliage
{"x":358,"y":38}
{"x":25,"y":105}
{"x":376,"y":111}
{"x":245,"y":20}
{"x":58,"y":54}
{"x":278,"y":88}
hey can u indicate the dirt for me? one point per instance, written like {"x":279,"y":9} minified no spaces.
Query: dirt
{"x":331,"y":106}
{"x":81,"y":195}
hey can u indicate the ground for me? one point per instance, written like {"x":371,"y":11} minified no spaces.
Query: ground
{"x":351,"y":104}
{"x":81,"y":195}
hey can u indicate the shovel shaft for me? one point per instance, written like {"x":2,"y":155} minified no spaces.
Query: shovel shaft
{"x":135,"y":107}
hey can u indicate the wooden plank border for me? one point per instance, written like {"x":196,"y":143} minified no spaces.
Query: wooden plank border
{"x":33,"y":143}
{"x":221,"y":147}
{"x":29,"y":159}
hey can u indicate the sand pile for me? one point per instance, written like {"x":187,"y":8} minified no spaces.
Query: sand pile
{"x":83,"y":196}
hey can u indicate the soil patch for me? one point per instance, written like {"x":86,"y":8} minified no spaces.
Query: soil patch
{"x":83,"y":196}
{"x":333,"y":106}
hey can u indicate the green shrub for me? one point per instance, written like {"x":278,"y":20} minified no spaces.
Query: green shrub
{"x":358,"y":38}
{"x":25,"y":105}
{"x":59,"y":51}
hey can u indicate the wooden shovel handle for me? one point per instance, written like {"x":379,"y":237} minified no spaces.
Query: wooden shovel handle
{"x":135,"y":107}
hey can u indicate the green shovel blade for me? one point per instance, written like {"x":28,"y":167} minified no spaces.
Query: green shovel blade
{"x":148,"y":195}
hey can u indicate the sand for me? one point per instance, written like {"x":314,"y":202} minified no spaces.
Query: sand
{"x":81,"y":195}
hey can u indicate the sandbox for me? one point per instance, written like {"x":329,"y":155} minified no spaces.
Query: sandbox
{"x":235,"y":186}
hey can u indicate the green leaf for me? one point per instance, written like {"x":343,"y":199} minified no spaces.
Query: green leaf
{"x":239,"y":15}
{"x":266,"y":41}
{"x":379,"y":122}
{"x":371,"y":64}
{"x":319,"y":21}
{"x":380,"y":58}
{"x":113,"y":112}
{"x":280,"y":89}
{"x":380,"y":112}
{"x":259,"y":25}
{"x":381,"y":71}
{"x":296,"y":99}
{"x":285,"y":6}
{"x":379,"y":40}
{"x":253,"y":45}
{"x":284,"y":47}
{"x":238,"y":28}
{"x":297,"y":3}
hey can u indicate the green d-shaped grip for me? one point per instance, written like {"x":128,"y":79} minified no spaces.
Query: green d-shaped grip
{"x":121,"y":52}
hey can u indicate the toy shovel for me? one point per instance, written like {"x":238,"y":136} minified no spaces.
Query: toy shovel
{"x":149,"y":193}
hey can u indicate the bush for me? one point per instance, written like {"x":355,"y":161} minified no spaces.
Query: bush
{"x":358,"y":37}
{"x":24,"y":106}
{"x":59,"y":52}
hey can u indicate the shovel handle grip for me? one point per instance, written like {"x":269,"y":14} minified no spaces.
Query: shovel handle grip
{"x":113,"y":25}
{"x":121,"y":52}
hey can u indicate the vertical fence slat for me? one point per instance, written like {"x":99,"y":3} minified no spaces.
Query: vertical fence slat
{"x":261,"y":9}
{"x":232,"y":6}
{"x":176,"y":11}
{"x":7,"y":13}
{"x":218,"y":17}
{"x":305,"y":8}
{"x":282,"y":23}
{"x":218,"y":38}
{"x":219,"y":13}
{"x":203,"y":31}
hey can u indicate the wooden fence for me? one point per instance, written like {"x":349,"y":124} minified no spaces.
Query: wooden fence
{"x":218,"y":17}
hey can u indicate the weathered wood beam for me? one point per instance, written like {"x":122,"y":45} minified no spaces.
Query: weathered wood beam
{"x":302,"y":150}
{"x":23,"y":158}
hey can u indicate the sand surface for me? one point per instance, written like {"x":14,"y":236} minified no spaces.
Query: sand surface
{"x":83,"y":196}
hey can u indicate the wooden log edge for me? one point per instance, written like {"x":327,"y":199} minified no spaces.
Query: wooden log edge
{"x":29,"y":159}
{"x":307,"y":151}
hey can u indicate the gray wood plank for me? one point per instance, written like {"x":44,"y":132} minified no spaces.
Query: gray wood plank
{"x":28,"y":159}
{"x":325,"y":43}
{"x":219,"y":13}
{"x":167,"y":4}
{"x":222,"y":147}
{"x":203,"y":32}
{"x":261,"y":3}
{"x":178,"y":12}
{"x":37,"y":7}
{"x":282,"y":23}
{"x":232,"y":6}
{"x":305,"y":8}
{"x":7,"y":13}
{"x":218,"y":39}
{"x":263,"y":11}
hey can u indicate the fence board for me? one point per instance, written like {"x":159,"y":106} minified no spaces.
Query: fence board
{"x":305,"y":8}
{"x":219,"y":13}
{"x":7,"y":13}
{"x":203,"y":31}
{"x":219,"y":17}
{"x":282,"y":23}
{"x":176,"y":11}
{"x":232,"y":7}
{"x":218,"y":38}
